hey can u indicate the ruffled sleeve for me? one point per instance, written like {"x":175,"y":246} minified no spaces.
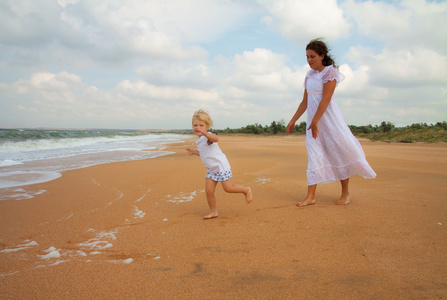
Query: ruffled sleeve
{"x":331,"y":73}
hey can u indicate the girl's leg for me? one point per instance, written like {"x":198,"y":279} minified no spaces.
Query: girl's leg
{"x":231,"y":187}
{"x":210,"y":188}
{"x":310,"y":199}
{"x":344,"y":199}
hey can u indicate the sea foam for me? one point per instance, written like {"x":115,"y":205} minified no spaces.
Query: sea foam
{"x":36,"y":156}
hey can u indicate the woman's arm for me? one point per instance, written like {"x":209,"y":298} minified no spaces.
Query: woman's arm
{"x":328,"y":91}
{"x":299,"y":112}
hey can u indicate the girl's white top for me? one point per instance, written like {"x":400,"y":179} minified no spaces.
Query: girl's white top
{"x":336,"y":154}
{"x":213,"y":158}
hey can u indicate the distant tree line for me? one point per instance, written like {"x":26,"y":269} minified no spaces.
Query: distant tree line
{"x":274,"y":128}
{"x":280,"y":127}
{"x":389,"y":127}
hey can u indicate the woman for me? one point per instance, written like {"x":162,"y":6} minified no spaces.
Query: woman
{"x":333,"y":151}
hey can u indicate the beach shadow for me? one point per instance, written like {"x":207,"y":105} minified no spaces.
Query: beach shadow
{"x":255,"y":278}
{"x":198,"y":268}
{"x":159,"y":270}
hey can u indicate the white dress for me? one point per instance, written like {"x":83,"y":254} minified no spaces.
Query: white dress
{"x":216,"y":163}
{"x":336,"y":154}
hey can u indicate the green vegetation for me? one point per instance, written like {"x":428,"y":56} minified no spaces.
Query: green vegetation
{"x":274,"y":128}
{"x":386,"y":131}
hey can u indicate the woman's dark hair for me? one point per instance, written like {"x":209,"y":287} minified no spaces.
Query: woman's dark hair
{"x":321,"y":49}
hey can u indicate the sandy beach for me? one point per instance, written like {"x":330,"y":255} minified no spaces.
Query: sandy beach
{"x":134,"y":230}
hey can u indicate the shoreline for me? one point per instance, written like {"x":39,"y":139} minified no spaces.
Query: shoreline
{"x":29,"y":161}
{"x":134,"y":229}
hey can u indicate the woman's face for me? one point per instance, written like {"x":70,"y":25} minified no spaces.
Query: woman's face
{"x":314,"y":60}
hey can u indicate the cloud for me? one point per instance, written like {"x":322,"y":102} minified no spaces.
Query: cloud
{"x":411,"y":69}
{"x":198,"y":75}
{"x":385,"y":86}
{"x":403,"y":57}
{"x":118,"y":32}
{"x":302,"y":21}
{"x":402,"y":68}
{"x":260,"y":69}
{"x":401,"y":24}
{"x":260,"y":87}
{"x":378,"y":19}
{"x":63,"y":96}
{"x":151,"y":64}
{"x":112,"y":31}
{"x":141,"y":90}
{"x":171,"y":30}
{"x":64,"y":3}
{"x":28,"y":23}
{"x":125,"y":30}
{"x":248,"y":85}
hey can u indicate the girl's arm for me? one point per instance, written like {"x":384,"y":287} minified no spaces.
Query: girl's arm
{"x":328,"y":91}
{"x":212,"y":138}
{"x":299,"y":112}
{"x":192,"y":151}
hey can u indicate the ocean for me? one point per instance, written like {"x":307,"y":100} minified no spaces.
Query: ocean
{"x":30,"y":156}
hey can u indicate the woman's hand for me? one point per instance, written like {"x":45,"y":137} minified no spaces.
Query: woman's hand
{"x":314,"y":127}
{"x":290,"y":127}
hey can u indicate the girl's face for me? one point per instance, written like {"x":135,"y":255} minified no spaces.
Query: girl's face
{"x":314,"y":60}
{"x":199,"y":127}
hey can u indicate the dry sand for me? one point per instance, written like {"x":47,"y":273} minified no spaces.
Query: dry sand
{"x":134,"y":230}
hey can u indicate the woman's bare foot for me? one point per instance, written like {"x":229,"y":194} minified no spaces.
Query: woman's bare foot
{"x":307,"y":201}
{"x":344,"y":200}
{"x":211,"y":215}
{"x":248,"y":196}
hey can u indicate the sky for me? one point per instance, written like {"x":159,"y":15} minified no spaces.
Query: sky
{"x":149,"y":64}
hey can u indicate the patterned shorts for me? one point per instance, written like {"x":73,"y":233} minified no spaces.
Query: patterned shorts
{"x":219,"y":176}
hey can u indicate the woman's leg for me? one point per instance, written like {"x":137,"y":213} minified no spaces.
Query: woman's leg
{"x":310,"y":199}
{"x":344,"y":199}
{"x":231,"y":187}
{"x":210,"y":188}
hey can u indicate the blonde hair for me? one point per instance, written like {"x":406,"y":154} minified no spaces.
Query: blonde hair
{"x":203,"y":116}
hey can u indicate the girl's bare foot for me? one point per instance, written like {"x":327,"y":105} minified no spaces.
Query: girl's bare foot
{"x":344,"y":200}
{"x":306,"y":201}
{"x":248,"y":196}
{"x":211,"y":215}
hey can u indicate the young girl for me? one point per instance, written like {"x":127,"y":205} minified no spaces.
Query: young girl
{"x":333,"y":152}
{"x":216,"y":163}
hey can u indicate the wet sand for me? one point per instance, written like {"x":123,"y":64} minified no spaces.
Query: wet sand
{"x":134,"y":230}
